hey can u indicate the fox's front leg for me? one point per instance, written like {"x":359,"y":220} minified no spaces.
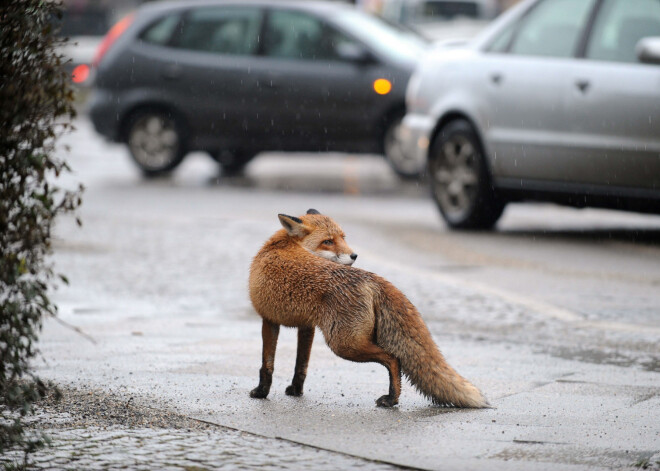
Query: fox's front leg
{"x":305,"y":339}
{"x":269,"y":334}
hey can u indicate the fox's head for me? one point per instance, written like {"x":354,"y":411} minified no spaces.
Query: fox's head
{"x":320,"y":235}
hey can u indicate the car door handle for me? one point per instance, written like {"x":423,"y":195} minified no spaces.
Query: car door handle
{"x":496,"y":78}
{"x":583,"y":86}
{"x":172,"y":72}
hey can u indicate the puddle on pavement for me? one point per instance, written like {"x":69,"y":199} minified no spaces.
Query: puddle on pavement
{"x":544,"y":452}
{"x":652,"y":364}
{"x":431,"y":412}
{"x":61,"y":245}
{"x":603,"y":357}
{"x":88,"y":310}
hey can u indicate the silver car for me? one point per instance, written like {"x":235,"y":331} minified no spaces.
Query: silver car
{"x":559,"y":100}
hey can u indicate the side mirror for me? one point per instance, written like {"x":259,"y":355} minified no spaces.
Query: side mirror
{"x":648,"y":50}
{"x":355,"y":53}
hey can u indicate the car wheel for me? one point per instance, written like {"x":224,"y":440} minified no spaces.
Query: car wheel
{"x":459,"y":178}
{"x":403,"y":165}
{"x":155,"y":141}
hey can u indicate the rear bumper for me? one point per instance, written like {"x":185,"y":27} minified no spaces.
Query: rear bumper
{"x":415,"y":136}
{"x":104,"y":114}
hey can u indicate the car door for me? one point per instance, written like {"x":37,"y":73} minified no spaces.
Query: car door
{"x":308,"y":97}
{"x":207,"y":66}
{"x":524,"y":80}
{"x":614,"y":104}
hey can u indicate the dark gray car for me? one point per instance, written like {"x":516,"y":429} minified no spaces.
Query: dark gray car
{"x":237,"y":78}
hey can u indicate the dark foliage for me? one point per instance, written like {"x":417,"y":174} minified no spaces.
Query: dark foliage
{"x":35,"y":107}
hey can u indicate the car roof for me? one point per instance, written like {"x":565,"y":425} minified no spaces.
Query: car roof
{"x":319,"y":6}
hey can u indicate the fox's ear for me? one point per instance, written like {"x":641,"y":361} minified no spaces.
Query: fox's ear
{"x":312,"y":211}
{"x":294,"y":226}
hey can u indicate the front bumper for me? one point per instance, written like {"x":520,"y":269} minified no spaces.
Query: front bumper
{"x":415,"y":135}
{"x":104,"y":114}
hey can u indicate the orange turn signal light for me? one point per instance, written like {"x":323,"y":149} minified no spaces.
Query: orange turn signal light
{"x":382,"y":86}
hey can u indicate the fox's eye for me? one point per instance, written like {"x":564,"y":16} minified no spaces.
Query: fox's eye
{"x":328,"y":242}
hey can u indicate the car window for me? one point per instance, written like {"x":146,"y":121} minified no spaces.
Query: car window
{"x":503,"y":39}
{"x":161,"y":30}
{"x":619,"y":27}
{"x":221,"y":30}
{"x":449,"y":9}
{"x":297,"y":35}
{"x":552,"y":28}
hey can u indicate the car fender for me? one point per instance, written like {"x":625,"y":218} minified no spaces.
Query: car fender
{"x":462,"y":104}
{"x":445,"y":87}
{"x":141,"y":98}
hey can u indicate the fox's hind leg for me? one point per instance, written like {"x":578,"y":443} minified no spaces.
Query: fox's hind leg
{"x":269,"y":334}
{"x":305,"y":339}
{"x":370,"y":352}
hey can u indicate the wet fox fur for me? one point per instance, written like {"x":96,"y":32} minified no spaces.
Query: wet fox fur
{"x":302,"y":278}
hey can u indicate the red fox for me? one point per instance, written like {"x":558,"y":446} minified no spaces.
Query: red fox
{"x":302,"y":277}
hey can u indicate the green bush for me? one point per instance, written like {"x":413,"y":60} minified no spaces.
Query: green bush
{"x":35,"y":108}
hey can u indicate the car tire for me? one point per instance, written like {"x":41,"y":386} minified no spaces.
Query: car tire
{"x":459,"y":179}
{"x":155,"y":141}
{"x":403,"y":165}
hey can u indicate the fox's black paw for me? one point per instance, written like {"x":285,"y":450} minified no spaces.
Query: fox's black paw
{"x":294,"y":390}
{"x":259,"y":393}
{"x":386,"y":401}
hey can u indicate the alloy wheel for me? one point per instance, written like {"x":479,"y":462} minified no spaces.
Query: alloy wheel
{"x":456,"y":176}
{"x":154,"y":142}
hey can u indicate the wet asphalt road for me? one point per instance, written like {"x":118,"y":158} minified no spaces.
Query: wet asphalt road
{"x":555,"y":316}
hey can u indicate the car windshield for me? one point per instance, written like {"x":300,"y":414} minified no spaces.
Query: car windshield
{"x":398,"y":44}
{"x":450,"y":10}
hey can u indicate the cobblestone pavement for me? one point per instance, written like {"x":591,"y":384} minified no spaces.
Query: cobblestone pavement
{"x":93,"y":430}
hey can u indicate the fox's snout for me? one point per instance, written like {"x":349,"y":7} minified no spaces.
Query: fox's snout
{"x":345,"y":259}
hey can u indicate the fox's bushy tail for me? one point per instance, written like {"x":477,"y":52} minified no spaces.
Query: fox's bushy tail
{"x":401,"y":332}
